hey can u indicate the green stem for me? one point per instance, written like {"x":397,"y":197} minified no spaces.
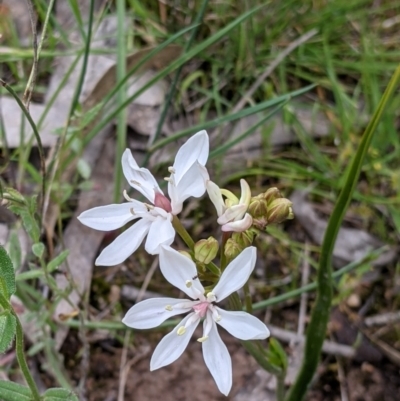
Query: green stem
{"x":224,"y":262}
{"x":19,"y":348}
{"x":37,"y":137}
{"x":280,"y":388}
{"x":247,"y":298}
{"x":190,"y":243}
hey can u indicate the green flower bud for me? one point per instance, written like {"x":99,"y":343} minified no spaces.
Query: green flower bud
{"x":232,"y":249}
{"x":271,"y":194}
{"x":206,"y":250}
{"x":258,"y":206}
{"x":279,"y":210}
{"x":243,"y":239}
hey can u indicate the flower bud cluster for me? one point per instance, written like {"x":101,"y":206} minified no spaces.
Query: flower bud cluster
{"x":270,"y":207}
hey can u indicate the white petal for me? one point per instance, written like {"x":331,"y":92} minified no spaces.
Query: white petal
{"x":178,"y":270}
{"x":152,"y":312}
{"x":194,"y":150}
{"x":218,"y":360}
{"x":242,"y":325}
{"x":233,"y":213}
{"x":236,"y":273}
{"x":238,"y":226}
{"x":139,"y":178}
{"x":214,"y":192}
{"x":124,"y":245}
{"x":171,"y":347}
{"x":193,"y":183}
{"x":161,"y":232}
{"x":111,"y":217}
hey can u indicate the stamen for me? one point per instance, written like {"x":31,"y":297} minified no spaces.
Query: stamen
{"x":188,"y":283}
{"x":126,"y":196}
{"x":149,"y":207}
{"x":171,"y":170}
{"x":135,"y":183}
{"x":181,"y":331}
{"x":168,"y":179}
{"x":202,"y":339}
{"x":211,"y":297}
{"x":168,"y":308}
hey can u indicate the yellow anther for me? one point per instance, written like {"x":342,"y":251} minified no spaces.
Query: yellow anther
{"x":202,"y":339}
{"x":218,"y":318}
{"x":168,"y":308}
{"x":171,"y":170}
{"x":211,"y":296}
{"x":188,"y":283}
{"x":181,"y":331}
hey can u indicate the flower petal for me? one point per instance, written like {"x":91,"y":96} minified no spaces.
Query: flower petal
{"x":217,"y":359}
{"x":242,"y":325}
{"x":124,"y":245}
{"x":111,"y":217}
{"x":171,"y":347}
{"x":232,"y":213}
{"x":236,"y":273}
{"x":152,"y":312}
{"x":238,"y":226}
{"x":161,"y":232}
{"x":179,"y":270}
{"x":194,"y":150}
{"x":139,"y":178}
{"x":214,"y":192}
{"x":193,"y":183}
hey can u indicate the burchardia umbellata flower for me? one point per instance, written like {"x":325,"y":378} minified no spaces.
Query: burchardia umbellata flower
{"x":188,"y":176}
{"x":181,"y":272}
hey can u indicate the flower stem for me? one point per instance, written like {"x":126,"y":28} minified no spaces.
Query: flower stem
{"x":19,"y":347}
{"x":182,"y":232}
{"x":190,"y":243}
{"x":224,"y":262}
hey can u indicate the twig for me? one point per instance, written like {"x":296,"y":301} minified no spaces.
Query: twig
{"x":302,"y":39}
{"x":32,"y":78}
{"x":382,"y":319}
{"x":329,"y":347}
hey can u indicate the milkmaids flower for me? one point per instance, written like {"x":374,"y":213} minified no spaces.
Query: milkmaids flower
{"x":188,"y":178}
{"x":180,"y":271}
{"x":232,"y":213}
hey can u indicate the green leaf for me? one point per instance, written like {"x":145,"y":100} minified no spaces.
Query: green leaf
{"x":38,"y":249}
{"x":10,"y":391}
{"x":277,"y":355}
{"x":7,"y":274}
{"x":57,"y":260}
{"x":59,"y":394}
{"x":8,"y":326}
{"x":316,"y":330}
{"x":28,"y":220}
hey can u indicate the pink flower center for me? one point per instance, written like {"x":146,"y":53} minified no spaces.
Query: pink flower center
{"x":162,"y":202}
{"x":201,"y":308}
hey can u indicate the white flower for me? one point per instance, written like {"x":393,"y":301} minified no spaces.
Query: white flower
{"x":180,"y":271}
{"x":232,"y":213}
{"x":188,"y":178}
